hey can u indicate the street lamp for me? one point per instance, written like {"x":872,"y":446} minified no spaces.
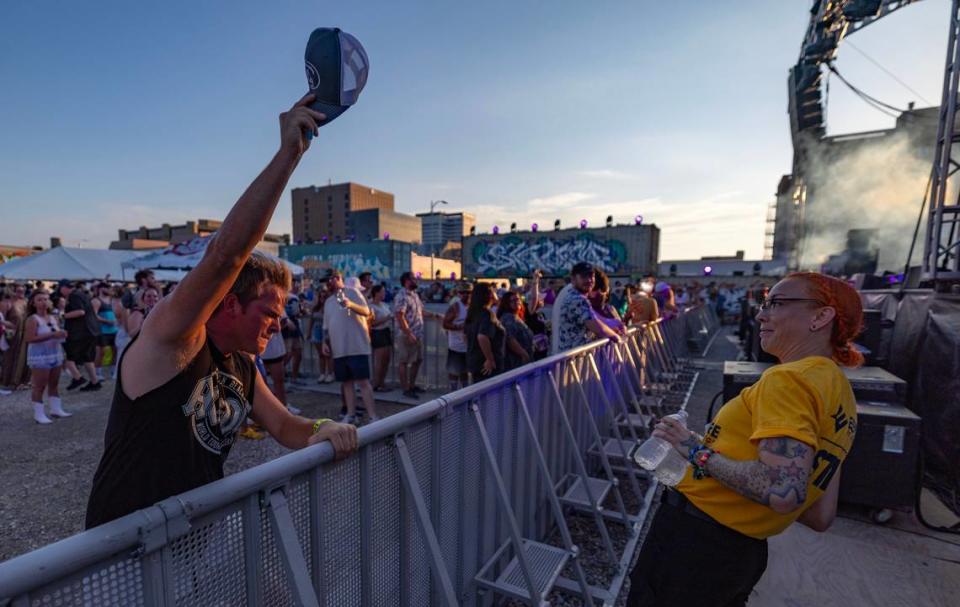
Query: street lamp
{"x":433,"y":204}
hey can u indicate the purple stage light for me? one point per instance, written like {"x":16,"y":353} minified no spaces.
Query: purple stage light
{"x":496,"y":230}
{"x":534,"y":227}
{"x":583,"y":224}
{"x":638,"y":220}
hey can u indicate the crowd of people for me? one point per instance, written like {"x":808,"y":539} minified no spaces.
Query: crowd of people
{"x":80,"y":328}
{"x":358,"y":327}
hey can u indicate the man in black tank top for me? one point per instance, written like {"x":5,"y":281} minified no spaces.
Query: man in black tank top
{"x":187,"y":380}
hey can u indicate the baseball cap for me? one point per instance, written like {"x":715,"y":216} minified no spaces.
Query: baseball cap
{"x":336,"y":67}
{"x":582,"y":268}
{"x":330,"y":273}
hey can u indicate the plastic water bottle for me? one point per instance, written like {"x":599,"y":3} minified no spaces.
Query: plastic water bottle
{"x":659,"y":456}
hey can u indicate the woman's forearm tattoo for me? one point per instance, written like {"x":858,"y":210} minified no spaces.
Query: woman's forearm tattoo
{"x":784,"y":480}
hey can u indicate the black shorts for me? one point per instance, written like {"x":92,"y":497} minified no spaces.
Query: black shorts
{"x":381,"y":338}
{"x":270,"y":361}
{"x":351,"y":368}
{"x":81,"y":351}
{"x":107,"y":339}
{"x":456,"y":362}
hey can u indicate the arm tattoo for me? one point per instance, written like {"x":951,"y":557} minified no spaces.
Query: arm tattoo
{"x":779,"y":482}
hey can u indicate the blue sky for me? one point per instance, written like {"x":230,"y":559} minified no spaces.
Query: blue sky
{"x":120,"y":114}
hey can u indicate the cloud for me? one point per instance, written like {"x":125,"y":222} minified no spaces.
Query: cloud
{"x":606,"y":174}
{"x":559,"y":201}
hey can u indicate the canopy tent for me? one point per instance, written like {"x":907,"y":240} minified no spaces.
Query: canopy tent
{"x":73,"y":264}
{"x":184,"y":256}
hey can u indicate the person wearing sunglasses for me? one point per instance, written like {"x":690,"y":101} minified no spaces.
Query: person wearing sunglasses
{"x":770,"y":457}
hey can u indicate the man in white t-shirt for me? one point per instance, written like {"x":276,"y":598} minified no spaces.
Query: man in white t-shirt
{"x":453,"y":322}
{"x":346,"y":339}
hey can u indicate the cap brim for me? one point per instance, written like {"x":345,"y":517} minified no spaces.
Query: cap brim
{"x":329,"y":110}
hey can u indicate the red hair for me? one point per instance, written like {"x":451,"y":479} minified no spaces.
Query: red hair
{"x":848,"y":323}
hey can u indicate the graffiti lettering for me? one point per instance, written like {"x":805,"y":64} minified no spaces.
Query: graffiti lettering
{"x":350,"y":264}
{"x":555,"y":257}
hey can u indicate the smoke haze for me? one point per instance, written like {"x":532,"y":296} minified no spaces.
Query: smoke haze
{"x":877,"y":183}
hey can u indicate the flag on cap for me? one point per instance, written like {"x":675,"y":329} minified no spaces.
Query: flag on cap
{"x":336,"y":67}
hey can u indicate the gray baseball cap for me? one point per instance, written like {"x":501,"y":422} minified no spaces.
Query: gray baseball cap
{"x":337,"y":68}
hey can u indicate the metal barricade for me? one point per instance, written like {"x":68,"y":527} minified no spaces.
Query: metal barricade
{"x":414,"y":518}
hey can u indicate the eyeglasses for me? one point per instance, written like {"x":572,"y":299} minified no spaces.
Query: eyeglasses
{"x":771,"y":304}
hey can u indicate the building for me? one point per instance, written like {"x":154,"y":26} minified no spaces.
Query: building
{"x":371,"y":224}
{"x":144,"y":238}
{"x":332,"y":213}
{"x":621,"y":251}
{"x":725,"y":267}
{"x":871,"y":180}
{"x":8,"y":252}
{"x":441,"y":229}
{"x":384,"y":259}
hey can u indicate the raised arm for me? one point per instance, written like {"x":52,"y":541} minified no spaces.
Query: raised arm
{"x":179,"y":319}
{"x":174,"y":331}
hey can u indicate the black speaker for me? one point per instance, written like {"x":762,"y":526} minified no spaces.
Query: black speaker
{"x":882,"y":468}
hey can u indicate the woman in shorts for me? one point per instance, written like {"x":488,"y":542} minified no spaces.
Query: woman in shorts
{"x":44,"y":356}
{"x":381,"y":336}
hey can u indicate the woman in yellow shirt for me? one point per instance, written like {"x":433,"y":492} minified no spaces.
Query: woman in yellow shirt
{"x":770,"y":457}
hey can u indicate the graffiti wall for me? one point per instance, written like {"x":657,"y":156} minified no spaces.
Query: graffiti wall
{"x":614,"y":250}
{"x":386,"y":260}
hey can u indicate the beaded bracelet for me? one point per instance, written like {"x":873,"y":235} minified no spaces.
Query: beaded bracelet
{"x":320,"y":422}
{"x":698,"y":456}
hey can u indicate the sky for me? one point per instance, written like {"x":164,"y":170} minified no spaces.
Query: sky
{"x":119,"y":114}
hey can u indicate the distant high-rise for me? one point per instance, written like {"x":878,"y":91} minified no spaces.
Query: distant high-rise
{"x":442,"y":228}
{"x":349,"y":211}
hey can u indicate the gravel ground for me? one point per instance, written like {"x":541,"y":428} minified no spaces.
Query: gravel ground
{"x":46,"y":471}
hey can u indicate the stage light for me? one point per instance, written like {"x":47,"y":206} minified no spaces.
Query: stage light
{"x":556,"y":225}
{"x":496,"y":230}
{"x":609,"y":221}
{"x":534,"y":227}
{"x":513,"y":227}
{"x":707,"y":270}
{"x":386,"y":235}
{"x":638,"y":220}
{"x":583,"y":224}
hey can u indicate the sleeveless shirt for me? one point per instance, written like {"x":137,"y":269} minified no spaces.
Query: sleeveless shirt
{"x":457,"y":340}
{"x":174,"y":438}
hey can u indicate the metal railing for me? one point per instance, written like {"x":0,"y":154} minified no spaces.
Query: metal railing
{"x":418,"y":516}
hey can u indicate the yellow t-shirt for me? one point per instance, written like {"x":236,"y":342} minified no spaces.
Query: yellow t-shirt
{"x":809,"y":400}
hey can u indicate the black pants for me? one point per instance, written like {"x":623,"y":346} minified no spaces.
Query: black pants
{"x":689,"y":559}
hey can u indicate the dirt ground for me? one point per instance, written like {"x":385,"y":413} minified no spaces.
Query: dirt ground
{"x":46,"y":471}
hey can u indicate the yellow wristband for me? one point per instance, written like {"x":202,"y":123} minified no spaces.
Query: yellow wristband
{"x":320,"y":422}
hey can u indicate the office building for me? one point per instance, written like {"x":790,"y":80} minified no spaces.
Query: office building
{"x":440,"y":229}
{"x":348,"y":211}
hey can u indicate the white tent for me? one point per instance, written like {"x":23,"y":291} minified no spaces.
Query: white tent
{"x":71,"y":263}
{"x":184,"y":256}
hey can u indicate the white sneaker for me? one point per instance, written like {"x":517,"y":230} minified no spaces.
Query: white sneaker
{"x":330,"y":378}
{"x":294,"y":410}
